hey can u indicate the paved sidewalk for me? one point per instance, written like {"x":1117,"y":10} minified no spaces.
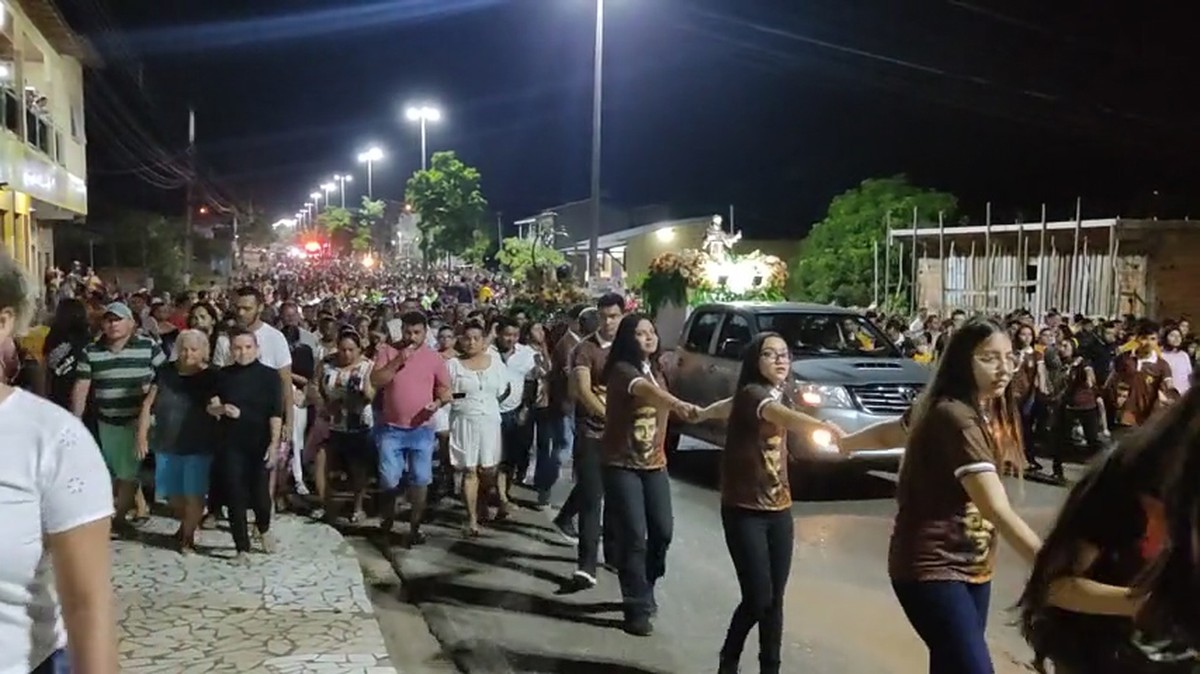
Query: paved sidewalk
{"x":303,"y":609}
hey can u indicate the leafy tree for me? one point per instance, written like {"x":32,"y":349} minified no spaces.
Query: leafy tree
{"x":369,"y":218}
{"x":448,"y":198}
{"x":518,"y":255}
{"x":149,"y":241}
{"x":335,"y":219}
{"x":836,"y":260}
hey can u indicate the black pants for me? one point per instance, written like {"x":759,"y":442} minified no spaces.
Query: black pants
{"x":587,"y":501}
{"x":244,"y":477}
{"x":760,"y":545}
{"x":1064,"y":424}
{"x":515,"y":441}
{"x":640,"y":502}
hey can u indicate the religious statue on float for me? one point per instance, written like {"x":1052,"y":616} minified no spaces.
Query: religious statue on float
{"x":718,"y":244}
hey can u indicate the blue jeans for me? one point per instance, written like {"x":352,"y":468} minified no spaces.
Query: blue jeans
{"x":950,"y":617}
{"x":405,"y":451}
{"x":57,"y":663}
{"x":555,"y":435}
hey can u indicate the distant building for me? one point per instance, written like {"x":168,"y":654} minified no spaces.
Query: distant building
{"x":1104,"y":267}
{"x":43,"y":162}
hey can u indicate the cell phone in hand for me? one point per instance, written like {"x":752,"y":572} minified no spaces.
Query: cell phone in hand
{"x":395,"y":331}
{"x":459,"y":396}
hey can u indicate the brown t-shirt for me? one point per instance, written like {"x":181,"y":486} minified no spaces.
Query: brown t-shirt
{"x":939,"y":533}
{"x":560,"y":370}
{"x":1134,"y":390}
{"x":634,"y":430}
{"x":754,"y":472}
{"x":590,"y":355}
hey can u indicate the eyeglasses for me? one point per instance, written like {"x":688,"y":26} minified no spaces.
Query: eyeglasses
{"x":777,"y":356}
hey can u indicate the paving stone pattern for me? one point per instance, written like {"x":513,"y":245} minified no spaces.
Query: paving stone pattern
{"x":301,"y":610}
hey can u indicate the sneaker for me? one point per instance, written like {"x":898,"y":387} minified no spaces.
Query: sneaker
{"x":568,"y":531}
{"x":582,"y":580}
{"x":241,"y":559}
{"x":265,"y":541}
{"x":639,"y":626}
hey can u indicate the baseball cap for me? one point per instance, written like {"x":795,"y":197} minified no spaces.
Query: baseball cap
{"x":119,"y":309}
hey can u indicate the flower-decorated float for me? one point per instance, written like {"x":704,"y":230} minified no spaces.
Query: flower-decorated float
{"x":713,"y":274}
{"x":677,"y":281}
{"x":549,"y":291}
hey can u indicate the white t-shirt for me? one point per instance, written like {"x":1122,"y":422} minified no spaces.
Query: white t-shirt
{"x":521,"y":362}
{"x":52,"y":479}
{"x":273,"y":349}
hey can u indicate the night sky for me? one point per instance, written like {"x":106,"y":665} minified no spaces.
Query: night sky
{"x":773,"y":106}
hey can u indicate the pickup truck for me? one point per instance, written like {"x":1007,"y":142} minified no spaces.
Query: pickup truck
{"x":846,"y":371}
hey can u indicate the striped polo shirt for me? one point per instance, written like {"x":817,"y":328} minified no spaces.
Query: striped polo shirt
{"x":119,"y":377}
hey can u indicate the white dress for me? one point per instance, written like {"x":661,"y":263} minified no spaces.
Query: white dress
{"x":475,"y":414}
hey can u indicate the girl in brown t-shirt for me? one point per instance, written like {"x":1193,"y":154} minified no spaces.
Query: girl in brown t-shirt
{"x":950,"y":497}
{"x":637,"y":491}
{"x":756,"y":498}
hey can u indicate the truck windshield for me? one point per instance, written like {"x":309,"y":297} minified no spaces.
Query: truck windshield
{"x":832,"y":335}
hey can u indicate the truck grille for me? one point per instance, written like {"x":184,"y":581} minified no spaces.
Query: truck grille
{"x":885,"y":398}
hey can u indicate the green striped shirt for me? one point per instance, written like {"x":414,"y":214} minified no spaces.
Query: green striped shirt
{"x":119,"y":378}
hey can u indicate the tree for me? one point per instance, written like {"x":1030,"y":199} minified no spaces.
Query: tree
{"x":368,"y":218}
{"x":149,"y":241}
{"x":448,"y":198}
{"x":518,"y":255}
{"x":836,"y":260}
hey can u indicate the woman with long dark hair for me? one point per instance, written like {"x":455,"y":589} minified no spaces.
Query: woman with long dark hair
{"x":756,"y":498}
{"x":958,"y":437}
{"x":1077,"y":608}
{"x":70,"y":331}
{"x":1171,"y":586}
{"x":637,"y":490}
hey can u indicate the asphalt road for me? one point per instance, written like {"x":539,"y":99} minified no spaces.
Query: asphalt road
{"x":494,"y":602}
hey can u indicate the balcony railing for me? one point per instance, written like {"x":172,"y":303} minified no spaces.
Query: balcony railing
{"x":40,"y":132}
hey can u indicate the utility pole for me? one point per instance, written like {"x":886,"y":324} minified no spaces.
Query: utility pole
{"x":499,"y":229}
{"x":597,"y":108}
{"x":187,"y":218}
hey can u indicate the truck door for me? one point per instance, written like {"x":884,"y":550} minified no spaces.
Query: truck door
{"x":735,"y":334}
{"x":692,"y":366}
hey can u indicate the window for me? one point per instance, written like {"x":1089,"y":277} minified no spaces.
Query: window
{"x":735,"y":335}
{"x":76,"y":123}
{"x":835,"y":335}
{"x":700,"y":334}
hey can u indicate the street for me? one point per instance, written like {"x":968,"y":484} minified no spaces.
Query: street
{"x":495,"y":599}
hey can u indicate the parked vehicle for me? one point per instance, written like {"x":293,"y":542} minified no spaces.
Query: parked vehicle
{"x":846,"y":371}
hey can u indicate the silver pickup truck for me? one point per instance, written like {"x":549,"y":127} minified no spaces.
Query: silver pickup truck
{"x":846,"y":371}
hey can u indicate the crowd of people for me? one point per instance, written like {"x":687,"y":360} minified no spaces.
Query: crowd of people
{"x":261,"y":396}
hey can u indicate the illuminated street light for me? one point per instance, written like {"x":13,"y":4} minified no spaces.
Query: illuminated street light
{"x":316,"y":197}
{"x":369,"y":157}
{"x":341,"y":180}
{"x":423,"y":114}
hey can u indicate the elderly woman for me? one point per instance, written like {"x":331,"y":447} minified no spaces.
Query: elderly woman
{"x":55,"y":523}
{"x":175,"y":421}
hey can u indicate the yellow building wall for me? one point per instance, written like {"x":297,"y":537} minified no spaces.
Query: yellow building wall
{"x":642,"y":249}
{"x":16,"y":228}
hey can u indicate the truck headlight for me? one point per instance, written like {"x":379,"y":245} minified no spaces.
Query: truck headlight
{"x":821,"y":395}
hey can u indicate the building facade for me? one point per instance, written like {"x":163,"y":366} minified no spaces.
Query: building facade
{"x":43,"y":146}
{"x":1101,"y":267}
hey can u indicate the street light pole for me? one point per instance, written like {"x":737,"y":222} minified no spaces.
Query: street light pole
{"x":423,"y":114}
{"x":369,"y":157}
{"x":597,"y":94}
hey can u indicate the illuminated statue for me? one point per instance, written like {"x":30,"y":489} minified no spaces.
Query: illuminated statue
{"x":718,"y":243}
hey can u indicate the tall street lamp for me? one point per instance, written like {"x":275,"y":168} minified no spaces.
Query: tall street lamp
{"x":597,"y":93}
{"x":316,"y":197}
{"x":423,"y":114}
{"x":341,"y":180}
{"x":369,"y":157}
{"x":327,"y":188}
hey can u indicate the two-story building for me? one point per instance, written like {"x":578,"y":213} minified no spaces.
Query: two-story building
{"x":43,"y":148}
